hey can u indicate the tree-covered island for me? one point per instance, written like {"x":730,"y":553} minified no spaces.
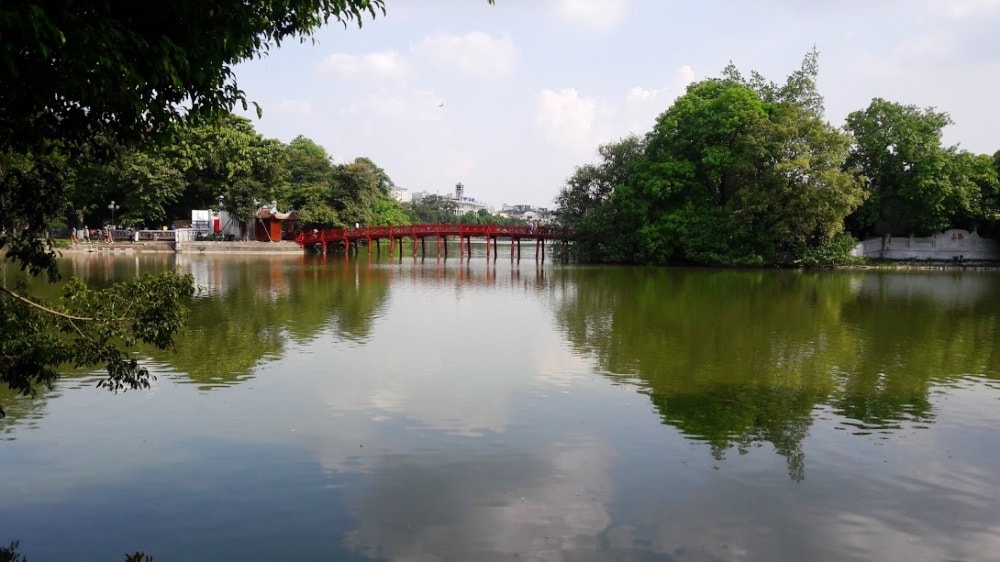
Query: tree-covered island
{"x":745,"y":171}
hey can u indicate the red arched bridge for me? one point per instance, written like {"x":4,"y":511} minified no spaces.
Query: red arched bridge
{"x":419,"y":233}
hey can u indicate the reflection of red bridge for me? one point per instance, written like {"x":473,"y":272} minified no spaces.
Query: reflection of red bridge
{"x":349,"y":237}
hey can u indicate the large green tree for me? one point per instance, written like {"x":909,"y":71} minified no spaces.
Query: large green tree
{"x":309,"y":183}
{"x":582,"y":204}
{"x":975,"y":191}
{"x":898,"y":150}
{"x":358,"y":188}
{"x":227,"y":160}
{"x":802,"y":195}
{"x":736,"y":171}
{"x":433,"y":209}
{"x":337,"y":195}
{"x":702,"y":152}
{"x":73,"y":71}
{"x":143,"y":184}
{"x":591,"y":185}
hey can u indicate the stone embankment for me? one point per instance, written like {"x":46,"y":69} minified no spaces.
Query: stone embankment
{"x":192,"y":247}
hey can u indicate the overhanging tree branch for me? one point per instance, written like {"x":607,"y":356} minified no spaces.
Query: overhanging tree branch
{"x":45,"y":308}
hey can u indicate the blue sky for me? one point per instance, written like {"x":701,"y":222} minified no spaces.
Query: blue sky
{"x":508,"y":99}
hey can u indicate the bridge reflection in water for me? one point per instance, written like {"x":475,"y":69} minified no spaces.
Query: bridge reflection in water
{"x":419,"y":233}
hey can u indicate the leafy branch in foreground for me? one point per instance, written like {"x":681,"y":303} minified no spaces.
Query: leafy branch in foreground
{"x":89,"y":328}
{"x":11,"y":554}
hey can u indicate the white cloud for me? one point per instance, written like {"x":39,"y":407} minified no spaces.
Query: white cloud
{"x":473,"y":53}
{"x":963,"y":9}
{"x":457,"y":163}
{"x":293,"y":107}
{"x":938,"y":44}
{"x":639,"y":94}
{"x":565,"y":117}
{"x":642,"y":105}
{"x":383,"y":107}
{"x":551,"y":504}
{"x":685,"y":76}
{"x":388,"y":64}
{"x":600,"y":14}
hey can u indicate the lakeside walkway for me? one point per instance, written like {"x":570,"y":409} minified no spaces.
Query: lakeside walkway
{"x":192,"y":247}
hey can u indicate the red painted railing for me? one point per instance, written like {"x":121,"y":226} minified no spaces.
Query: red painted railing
{"x":309,"y":237}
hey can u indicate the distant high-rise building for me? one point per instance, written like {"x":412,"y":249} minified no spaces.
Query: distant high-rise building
{"x":399,"y":193}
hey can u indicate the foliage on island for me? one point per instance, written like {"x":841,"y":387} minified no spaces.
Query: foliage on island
{"x":743,"y":171}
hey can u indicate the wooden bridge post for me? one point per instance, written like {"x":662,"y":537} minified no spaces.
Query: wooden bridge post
{"x":537,"y":243}
{"x":512,"y":248}
{"x":461,"y":246}
{"x":468,"y":247}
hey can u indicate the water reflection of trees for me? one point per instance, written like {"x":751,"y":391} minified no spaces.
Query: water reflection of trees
{"x":919,"y":329}
{"x":734,"y":358}
{"x":256,"y":306}
{"x":250,"y":308}
{"x":19,"y":411}
{"x":253,"y":306}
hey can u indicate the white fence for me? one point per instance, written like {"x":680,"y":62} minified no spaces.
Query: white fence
{"x":178,"y":235}
{"x":949,"y":245}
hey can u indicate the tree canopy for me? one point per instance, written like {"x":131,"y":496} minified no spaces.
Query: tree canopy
{"x":76,"y":70}
{"x":915,"y":184}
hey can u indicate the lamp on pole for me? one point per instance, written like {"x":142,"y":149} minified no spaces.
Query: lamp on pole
{"x":113,"y":206}
{"x":218,"y":217}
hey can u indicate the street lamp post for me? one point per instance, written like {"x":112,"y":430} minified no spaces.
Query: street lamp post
{"x":222,"y":227}
{"x":113,"y":206}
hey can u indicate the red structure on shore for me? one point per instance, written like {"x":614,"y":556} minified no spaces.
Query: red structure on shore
{"x":418,"y":233}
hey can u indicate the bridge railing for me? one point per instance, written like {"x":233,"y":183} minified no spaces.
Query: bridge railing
{"x":418,"y":230}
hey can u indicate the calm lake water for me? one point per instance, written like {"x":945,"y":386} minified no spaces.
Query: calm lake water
{"x":333,"y":409}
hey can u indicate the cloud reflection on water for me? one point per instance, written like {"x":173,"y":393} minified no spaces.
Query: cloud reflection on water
{"x":538,"y":506}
